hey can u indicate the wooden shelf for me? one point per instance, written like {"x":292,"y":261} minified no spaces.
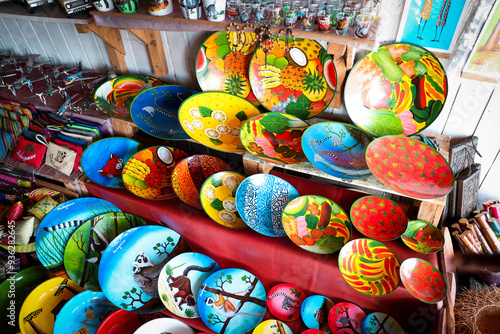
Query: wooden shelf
{"x":52,"y":12}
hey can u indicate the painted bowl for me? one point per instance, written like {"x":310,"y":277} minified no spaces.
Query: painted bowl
{"x":164,"y":325}
{"x":378,"y":218}
{"x":218,"y":198}
{"x":272,"y":326}
{"x":379,"y":322}
{"x":345,"y":318}
{"x":314,"y":312}
{"x":316,"y":224}
{"x":409,"y":167}
{"x":423,"y":281}
{"x":398,"y":90}
{"x":284,"y":301}
{"x":312,"y":331}
{"x":125,"y":322}
{"x":337,"y":149}
{"x":214,"y":119}
{"x":147,"y":173}
{"x":190,"y":174}
{"x":423,"y":237}
{"x":260,"y":200}
{"x":369,"y":267}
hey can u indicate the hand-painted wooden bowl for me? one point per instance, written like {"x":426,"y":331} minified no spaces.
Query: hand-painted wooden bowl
{"x":316,"y":224}
{"x":379,"y":322}
{"x":345,"y":318}
{"x":284,"y":301}
{"x":337,"y":149}
{"x":409,"y":167}
{"x":219,"y":67}
{"x":190,"y":174}
{"x":218,"y":198}
{"x":314,"y":312}
{"x":301,"y":81}
{"x":164,"y":325}
{"x":378,"y":218}
{"x":132,"y":262}
{"x":155,"y":111}
{"x":422,"y":280}
{"x":180,"y":281}
{"x":369,"y":267}
{"x":272,"y":326}
{"x":274,"y":137}
{"x":214,"y":119}
{"x":125,"y":322}
{"x":398,"y":90}
{"x":423,"y":237}
{"x":147,"y":173}
{"x":260,"y":200}
{"x":232,"y":301}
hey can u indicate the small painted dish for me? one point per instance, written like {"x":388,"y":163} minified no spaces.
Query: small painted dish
{"x":378,"y":218}
{"x":164,"y":325}
{"x":272,"y":326}
{"x":274,"y":137}
{"x":369,"y":267}
{"x":217,"y":197}
{"x":345,"y":318}
{"x":316,"y":224}
{"x":423,"y":281}
{"x":379,"y":322}
{"x":284,"y":301}
{"x":314,"y":312}
{"x":423,"y":237}
{"x":125,"y":322}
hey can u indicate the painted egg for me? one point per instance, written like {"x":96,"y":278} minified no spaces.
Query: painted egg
{"x":346,"y":318}
{"x":272,"y":326}
{"x":284,"y":301}
{"x":379,"y":322}
{"x":316,"y":224}
{"x":125,"y":322}
{"x":275,"y":137}
{"x":314,"y":312}
{"x":423,"y":237}
{"x":189,"y":174}
{"x":218,"y":198}
{"x":423,"y":281}
{"x":260,"y":200}
{"x":164,"y":325}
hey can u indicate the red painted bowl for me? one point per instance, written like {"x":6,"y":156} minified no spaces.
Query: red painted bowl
{"x":422,"y":280}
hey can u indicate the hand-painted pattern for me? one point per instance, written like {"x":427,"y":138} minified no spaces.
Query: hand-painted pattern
{"x":422,"y":280}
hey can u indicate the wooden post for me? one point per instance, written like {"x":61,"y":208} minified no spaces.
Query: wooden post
{"x":342,"y":58}
{"x":152,"y":39}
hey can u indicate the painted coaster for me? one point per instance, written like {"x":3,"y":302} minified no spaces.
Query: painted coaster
{"x":125,"y":322}
{"x":316,"y":224}
{"x":43,"y":304}
{"x":82,"y":255}
{"x":398,"y":90}
{"x":379,"y":322}
{"x":222,"y":68}
{"x":423,"y":281}
{"x":214,"y":119}
{"x":274,"y":137}
{"x":217,"y":196}
{"x":59,"y":224}
{"x":83,"y":313}
{"x":314,"y":312}
{"x":284,"y":301}
{"x":346,"y":318}
{"x":301,"y":81}
{"x":103,"y":161}
{"x":378,"y":218}
{"x":231,"y":301}
{"x":423,"y":237}
{"x":190,"y":174}
{"x":410,"y":167}
{"x":271,"y":327}
{"x":260,"y":200}
{"x":181,"y":279}
{"x":337,"y":149}
{"x":147,"y":173}
{"x":369,"y":267}
{"x":132,"y":262}
{"x":164,"y":325}
{"x":155,"y":111}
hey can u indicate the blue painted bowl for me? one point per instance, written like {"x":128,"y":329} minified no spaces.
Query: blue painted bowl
{"x":314,"y":312}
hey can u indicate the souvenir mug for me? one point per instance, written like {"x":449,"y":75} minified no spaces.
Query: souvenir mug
{"x":127,"y":6}
{"x":103,"y":5}
{"x":160,"y":7}
{"x":191,"y":9}
{"x":215,"y":10}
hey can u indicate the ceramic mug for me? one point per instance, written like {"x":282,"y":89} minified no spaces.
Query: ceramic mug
{"x":160,"y":7}
{"x":103,"y":5}
{"x":191,"y":9}
{"x":215,"y":10}
{"x":127,"y":6}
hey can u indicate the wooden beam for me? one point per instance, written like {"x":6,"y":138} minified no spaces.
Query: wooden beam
{"x":153,"y":41}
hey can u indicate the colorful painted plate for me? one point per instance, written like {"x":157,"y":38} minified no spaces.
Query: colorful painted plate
{"x":260,"y":200}
{"x":314,"y":312}
{"x":423,"y":237}
{"x":337,"y":149}
{"x":164,"y":325}
{"x":379,"y":322}
{"x":271,"y":327}
{"x":422,"y":280}
{"x":345,"y":318}
{"x":214,"y":119}
{"x":231,"y":301}
{"x":125,"y":322}
{"x":41,"y":307}
{"x":180,"y":281}
{"x":59,"y":224}
{"x":378,"y":218}
{"x":301,"y":82}
{"x":82,"y":255}
{"x":83,"y":313}
{"x":221,"y":68}
{"x":190,"y":174}
{"x":155,"y":111}
{"x":147,"y":173}
{"x":274,"y":137}
{"x":369,"y":267}
{"x":398,"y":90}
{"x":316,"y":224}
{"x":103,"y":161}
{"x":115,"y":96}
{"x":132,"y":262}
{"x":410,"y":167}
{"x":284,"y":301}
{"x":217,"y":196}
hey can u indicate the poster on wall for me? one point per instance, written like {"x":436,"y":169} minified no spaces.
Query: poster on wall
{"x":433,"y":24}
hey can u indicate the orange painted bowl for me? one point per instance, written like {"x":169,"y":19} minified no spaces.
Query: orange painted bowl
{"x":423,"y":281}
{"x":423,"y":237}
